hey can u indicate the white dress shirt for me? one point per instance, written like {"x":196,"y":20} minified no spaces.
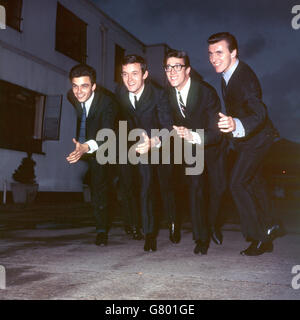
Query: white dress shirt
{"x":131,"y":96}
{"x":93,"y":145}
{"x":132,"y":100}
{"x":184,"y":95}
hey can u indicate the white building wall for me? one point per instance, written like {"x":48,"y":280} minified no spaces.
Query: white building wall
{"x":29,"y":59}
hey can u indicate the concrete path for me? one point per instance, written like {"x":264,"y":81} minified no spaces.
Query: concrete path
{"x":55,"y":262}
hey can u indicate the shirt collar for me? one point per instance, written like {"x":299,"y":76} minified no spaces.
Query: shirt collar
{"x":131,"y":94}
{"x":185,"y":90}
{"x":227,"y":74}
{"x":88,"y":102}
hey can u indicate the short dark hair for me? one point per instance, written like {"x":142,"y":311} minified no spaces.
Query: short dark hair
{"x":228,"y":37}
{"x":134,"y":58}
{"x":177,"y":54}
{"x":83,"y":70}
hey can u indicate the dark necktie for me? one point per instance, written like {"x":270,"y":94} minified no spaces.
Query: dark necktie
{"x":82,"y":131}
{"x":135,"y":102}
{"x":223,"y":88}
{"x":181,"y":104}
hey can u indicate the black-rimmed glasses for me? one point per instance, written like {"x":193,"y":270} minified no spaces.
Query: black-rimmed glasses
{"x":176,"y":67}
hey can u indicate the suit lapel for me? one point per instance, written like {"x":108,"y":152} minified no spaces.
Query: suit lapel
{"x":174,"y":102}
{"x":126,"y":103}
{"x":192,"y":99}
{"x":96,"y":103}
{"x":233,"y":78}
{"x":145,"y":99}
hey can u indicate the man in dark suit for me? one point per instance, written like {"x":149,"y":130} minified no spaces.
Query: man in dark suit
{"x":95,"y":110}
{"x":195,"y":105}
{"x":250,"y":129}
{"x":145,"y":107}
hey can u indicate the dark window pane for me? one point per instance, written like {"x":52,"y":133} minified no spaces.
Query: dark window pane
{"x":13,"y":10}
{"x":70,"y":34}
{"x":18,"y":110}
{"x":119,"y":55}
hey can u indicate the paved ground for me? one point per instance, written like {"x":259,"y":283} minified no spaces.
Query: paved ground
{"x":50,"y":256}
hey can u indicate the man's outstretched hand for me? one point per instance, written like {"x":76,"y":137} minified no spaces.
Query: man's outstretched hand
{"x":80,"y":149}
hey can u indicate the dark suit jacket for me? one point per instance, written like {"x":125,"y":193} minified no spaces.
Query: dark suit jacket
{"x":102,"y":114}
{"x":243,"y":100}
{"x":202,"y":108}
{"x":152,"y":110}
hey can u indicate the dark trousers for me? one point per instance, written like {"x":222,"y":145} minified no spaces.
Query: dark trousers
{"x":215,"y":188}
{"x":138,"y":195}
{"x":189,"y":196}
{"x":128,"y":186}
{"x":140,"y":186}
{"x":249,"y":189}
{"x":99,"y":194}
{"x":146,"y":193}
{"x":166,"y":186}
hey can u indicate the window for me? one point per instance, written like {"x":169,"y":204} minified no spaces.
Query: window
{"x":27,"y":118}
{"x":119,"y":55}
{"x":70,"y":34}
{"x":51,"y":120}
{"x":13,"y":12}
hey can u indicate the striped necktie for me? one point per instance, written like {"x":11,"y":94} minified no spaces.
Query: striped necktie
{"x":82,"y":131}
{"x":181,"y":104}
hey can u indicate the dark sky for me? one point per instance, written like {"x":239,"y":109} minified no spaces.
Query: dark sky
{"x":267,"y":42}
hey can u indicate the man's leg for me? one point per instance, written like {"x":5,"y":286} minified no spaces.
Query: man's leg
{"x":147,"y":201}
{"x":99,"y":195}
{"x":244,"y":183}
{"x":198,"y":214}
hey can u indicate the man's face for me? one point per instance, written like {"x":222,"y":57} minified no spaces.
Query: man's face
{"x":220,"y":57}
{"x":82,"y":88}
{"x":177,"y":79}
{"x":133,"y":77}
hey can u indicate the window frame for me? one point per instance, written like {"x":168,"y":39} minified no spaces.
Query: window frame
{"x":25,"y":129}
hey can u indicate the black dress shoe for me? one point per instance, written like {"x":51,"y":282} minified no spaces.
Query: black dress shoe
{"x":257,"y":248}
{"x":136,"y":234}
{"x":275,"y":231}
{"x":150,"y":243}
{"x":101,"y":239}
{"x":217,"y":236}
{"x":201,"y":247}
{"x":175,"y":234}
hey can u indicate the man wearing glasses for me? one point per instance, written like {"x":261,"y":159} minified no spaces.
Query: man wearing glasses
{"x":195,"y":105}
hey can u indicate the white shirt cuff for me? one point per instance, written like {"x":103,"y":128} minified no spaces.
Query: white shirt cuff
{"x":93,"y":146}
{"x":196,"y":138}
{"x":158,"y":145}
{"x":239,"y":132}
